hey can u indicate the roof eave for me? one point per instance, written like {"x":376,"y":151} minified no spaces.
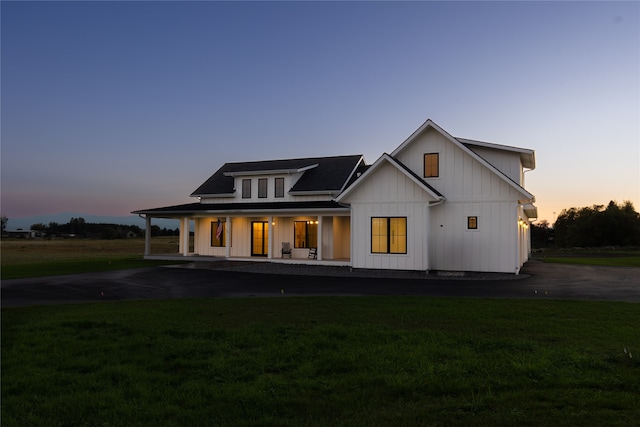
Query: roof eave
{"x":223,"y":195}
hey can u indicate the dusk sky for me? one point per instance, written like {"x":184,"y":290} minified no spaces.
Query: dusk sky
{"x":109,"y":107}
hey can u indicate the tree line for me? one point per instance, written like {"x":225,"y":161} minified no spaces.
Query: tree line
{"x":591,"y":226}
{"x":78,"y":227}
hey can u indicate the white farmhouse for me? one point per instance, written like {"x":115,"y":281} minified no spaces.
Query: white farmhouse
{"x":436,"y":203}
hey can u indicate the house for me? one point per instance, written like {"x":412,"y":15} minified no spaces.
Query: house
{"x":19,"y":232}
{"x":434,"y":203}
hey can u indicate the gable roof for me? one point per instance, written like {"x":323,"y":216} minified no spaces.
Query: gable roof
{"x":319,"y":174}
{"x":430,"y":124}
{"x":386,"y":158}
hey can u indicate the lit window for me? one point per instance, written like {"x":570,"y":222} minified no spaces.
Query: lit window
{"x":389,"y":235}
{"x":431,"y":165}
{"x":472,"y":222}
{"x":306,"y":234}
{"x":279,"y":187}
{"x":218,"y":230}
{"x":246,"y":188}
{"x":262,"y":188}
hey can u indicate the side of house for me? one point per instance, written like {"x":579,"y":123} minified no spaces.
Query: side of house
{"x":435,"y":203}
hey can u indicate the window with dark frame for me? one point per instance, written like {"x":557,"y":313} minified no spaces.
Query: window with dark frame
{"x":218,"y":231}
{"x":431,"y":165}
{"x":472,"y":222}
{"x":246,"y":188}
{"x":262,"y":188}
{"x":279,"y":190}
{"x":389,"y":235}
{"x":305,"y":234}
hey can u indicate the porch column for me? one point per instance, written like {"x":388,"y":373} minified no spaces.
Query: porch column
{"x":184,"y":236}
{"x":227,"y":239}
{"x":270,"y":238}
{"x":319,"y":237}
{"x":147,"y":235}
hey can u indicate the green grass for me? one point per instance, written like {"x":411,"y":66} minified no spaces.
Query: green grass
{"x":54,"y":268}
{"x":622,"y":261}
{"x":23,"y":258}
{"x":383,"y":361}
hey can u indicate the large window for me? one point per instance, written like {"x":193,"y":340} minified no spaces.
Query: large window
{"x":389,"y":235}
{"x":218,"y":231}
{"x":246,"y":188}
{"x":431,"y":165}
{"x":262,"y":188}
{"x":279,"y":187}
{"x":306,"y":234}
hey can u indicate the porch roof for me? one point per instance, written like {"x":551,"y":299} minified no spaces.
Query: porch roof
{"x":280,"y":208}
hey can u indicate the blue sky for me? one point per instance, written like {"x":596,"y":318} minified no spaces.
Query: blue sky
{"x":109,"y":107}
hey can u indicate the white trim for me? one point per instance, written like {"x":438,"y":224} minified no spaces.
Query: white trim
{"x":430,"y":124}
{"x":348,"y":180}
{"x":527,"y":156}
{"x":387,"y":158}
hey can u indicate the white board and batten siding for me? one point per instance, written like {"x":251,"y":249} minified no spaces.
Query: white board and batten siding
{"x":388,"y":192}
{"x":471,"y":189}
{"x":335,"y":232}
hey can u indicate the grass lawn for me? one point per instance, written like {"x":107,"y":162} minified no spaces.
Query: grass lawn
{"x":621,"y":261}
{"x":37,"y":257}
{"x":322,"y":361}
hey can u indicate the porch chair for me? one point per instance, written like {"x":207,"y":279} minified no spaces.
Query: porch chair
{"x":286,"y":250}
{"x":313,"y":253}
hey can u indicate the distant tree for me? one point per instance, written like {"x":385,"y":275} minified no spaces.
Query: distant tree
{"x":39,"y":227}
{"x":77,"y":226}
{"x":54,"y":228}
{"x":4,"y":220}
{"x":597,"y":225}
{"x":542,"y":235}
{"x":155,"y":231}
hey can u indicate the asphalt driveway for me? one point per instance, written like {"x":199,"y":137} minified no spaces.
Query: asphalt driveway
{"x":537,"y":280}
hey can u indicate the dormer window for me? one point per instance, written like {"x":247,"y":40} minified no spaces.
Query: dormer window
{"x":262,"y":188}
{"x":431,"y":165}
{"x":279,"y":190}
{"x":246,"y":188}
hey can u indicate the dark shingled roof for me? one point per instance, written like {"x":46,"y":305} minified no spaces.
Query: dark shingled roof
{"x":194,"y":208}
{"x":330,"y":174}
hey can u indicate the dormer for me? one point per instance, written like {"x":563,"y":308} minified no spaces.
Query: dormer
{"x":321,"y":178}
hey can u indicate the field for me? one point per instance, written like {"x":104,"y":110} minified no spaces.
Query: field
{"x":383,"y":361}
{"x":38,"y":257}
{"x":316,"y":361}
{"x":603,"y":257}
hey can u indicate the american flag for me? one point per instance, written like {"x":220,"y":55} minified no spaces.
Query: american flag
{"x":219,"y":230}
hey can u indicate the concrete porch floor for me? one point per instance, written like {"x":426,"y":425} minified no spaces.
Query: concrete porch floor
{"x":205,"y":258}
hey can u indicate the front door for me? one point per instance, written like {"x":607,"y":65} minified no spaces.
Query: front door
{"x":259,"y":238}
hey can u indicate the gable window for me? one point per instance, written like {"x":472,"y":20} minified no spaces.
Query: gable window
{"x":279,"y":187}
{"x":246,"y":188}
{"x":218,"y":231}
{"x":472,"y":223}
{"x":305,"y":234}
{"x":262,"y":188}
{"x":389,"y":235}
{"x":431,"y":165}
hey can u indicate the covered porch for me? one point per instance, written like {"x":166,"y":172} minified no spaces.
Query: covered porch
{"x":312,"y":234}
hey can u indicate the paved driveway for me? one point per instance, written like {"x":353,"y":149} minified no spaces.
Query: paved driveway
{"x":538,"y":280}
